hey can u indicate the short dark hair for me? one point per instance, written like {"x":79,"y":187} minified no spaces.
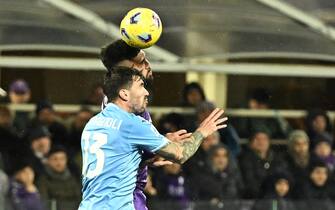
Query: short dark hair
{"x":317,"y":163}
{"x":117,"y":78}
{"x":174,"y":119}
{"x":56,"y":149}
{"x":38,"y":132}
{"x":116,"y":52}
{"x":188,"y":88}
{"x":43,"y":104}
{"x":261,"y":95}
{"x":257,"y":131}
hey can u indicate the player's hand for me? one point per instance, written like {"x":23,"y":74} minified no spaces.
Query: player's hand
{"x":149,"y":188}
{"x":158,"y":161}
{"x":213,"y":123}
{"x":178,"y":135}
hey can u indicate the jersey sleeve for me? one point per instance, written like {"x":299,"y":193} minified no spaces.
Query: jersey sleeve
{"x":144,"y":135}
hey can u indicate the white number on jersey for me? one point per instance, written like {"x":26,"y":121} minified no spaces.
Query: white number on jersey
{"x":92,"y":145}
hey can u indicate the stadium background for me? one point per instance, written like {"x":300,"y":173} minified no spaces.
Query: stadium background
{"x":230,"y":47}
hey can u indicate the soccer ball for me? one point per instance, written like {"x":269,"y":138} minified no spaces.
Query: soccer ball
{"x":141,"y":28}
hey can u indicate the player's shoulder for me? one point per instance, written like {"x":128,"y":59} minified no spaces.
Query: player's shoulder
{"x":139,"y":120}
{"x":133,"y":123}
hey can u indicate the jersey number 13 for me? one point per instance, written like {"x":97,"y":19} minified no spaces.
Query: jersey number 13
{"x":92,"y":143}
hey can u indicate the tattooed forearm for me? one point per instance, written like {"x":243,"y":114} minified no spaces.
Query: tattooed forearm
{"x":171,"y":151}
{"x":191,"y":146}
{"x":181,"y":152}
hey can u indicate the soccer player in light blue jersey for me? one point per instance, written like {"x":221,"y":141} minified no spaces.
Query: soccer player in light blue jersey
{"x":113,"y":141}
{"x":119,"y":53}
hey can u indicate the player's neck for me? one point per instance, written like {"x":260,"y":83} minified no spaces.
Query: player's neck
{"x":122,"y":105}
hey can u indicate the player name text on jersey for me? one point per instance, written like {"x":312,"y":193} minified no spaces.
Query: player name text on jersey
{"x":107,"y":122}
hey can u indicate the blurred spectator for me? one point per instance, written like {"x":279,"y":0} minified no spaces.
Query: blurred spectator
{"x":23,"y":192}
{"x":40,"y":144}
{"x":58,"y":183}
{"x":298,"y":159}
{"x":171,"y":122}
{"x":20,"y":93}
{"x":171,"y":186}
{"x":77,"y":126}
{"x":259,"y":99}
{"x":257,"y":161}
{"x":198,"y":161}
{"x":220,"y":180}
{"x":4,"y":184}
{"x":323,"y":150}
{"x":96,"y":96}
{"x":277,"y":196}
{"x":276,"y":127}
{"x":6,"y":119}
{"x":228,"y":136}
{"x":11,"y":147}
{"x":317,"y":192}
{"x":46,"y":116}
{"x":193,"y":94}
{"x":317,"y":122}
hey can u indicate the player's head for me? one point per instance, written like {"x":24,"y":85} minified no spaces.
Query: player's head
{"x":119,"y":53}
{"x":125,"y":86}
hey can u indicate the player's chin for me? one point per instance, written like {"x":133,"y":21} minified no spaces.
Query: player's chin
{"x":145,"y":105}
{"x":141,"y":109}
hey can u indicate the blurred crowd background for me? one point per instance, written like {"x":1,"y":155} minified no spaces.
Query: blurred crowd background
{"x":289,"y":166}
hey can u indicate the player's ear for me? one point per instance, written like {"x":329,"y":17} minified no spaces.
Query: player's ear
{"x":124,"y":94}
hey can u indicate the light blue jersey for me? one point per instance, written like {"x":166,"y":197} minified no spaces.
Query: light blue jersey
{"x":112,"y":143}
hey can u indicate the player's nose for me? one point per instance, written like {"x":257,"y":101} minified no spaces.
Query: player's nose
{"x":146,"y":92}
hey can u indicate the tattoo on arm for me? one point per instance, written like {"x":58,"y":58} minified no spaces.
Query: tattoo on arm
{"x":191,"y":146}
{"x":181,"y":152}
{"x":171,"y":151}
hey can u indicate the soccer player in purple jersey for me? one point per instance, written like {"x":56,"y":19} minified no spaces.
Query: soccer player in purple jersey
{"x":118,"y":53}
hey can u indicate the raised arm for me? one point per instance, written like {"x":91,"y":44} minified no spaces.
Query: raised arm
{"x":181,"y":152}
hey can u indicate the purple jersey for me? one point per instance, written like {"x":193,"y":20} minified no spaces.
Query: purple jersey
{"x":142,"y":175}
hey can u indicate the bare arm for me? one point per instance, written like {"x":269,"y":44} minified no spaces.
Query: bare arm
{"x":181,"y":152}
{"x":177,"y":137}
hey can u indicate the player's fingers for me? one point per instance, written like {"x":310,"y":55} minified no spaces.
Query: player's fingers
{"x":186,"y":135}
{"x":180,"y":132}
{"x":221,"y":126}
{"x":221,"y":120}
{"x":217,"y":115}
{"x":162,"y":163}
{"x":210,"y":116}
